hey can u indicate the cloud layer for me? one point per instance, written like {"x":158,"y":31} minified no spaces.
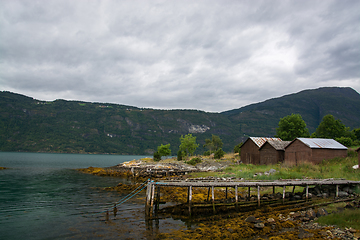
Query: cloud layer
{"x":207,"y":55}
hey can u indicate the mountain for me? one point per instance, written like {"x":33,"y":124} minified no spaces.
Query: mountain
{"x":261,"y":119}
{"x":30,"y":125}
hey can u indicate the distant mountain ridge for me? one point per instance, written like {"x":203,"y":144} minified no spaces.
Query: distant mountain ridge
{"x":30,"y":125}
{"x":312,"y":105}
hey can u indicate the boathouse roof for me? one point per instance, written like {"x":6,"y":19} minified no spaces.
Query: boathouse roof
{"x":321,"y":143}
{"x":259,"y":141}
{"x":277,"y":145}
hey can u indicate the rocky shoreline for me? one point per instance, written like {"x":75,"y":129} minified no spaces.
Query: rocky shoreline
{"x":146,"y":168}
{"x":267,"y":223}
{"x":264,"y":223}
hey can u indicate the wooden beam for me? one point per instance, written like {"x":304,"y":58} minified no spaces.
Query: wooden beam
{"x":190,"y":199}
{"x":213,"y":197}
{"x":148,"y":200}
{"x":236,"y":197}
{"x":152,"y":199}
{"x":157,"y":199}
{"x":284,"y":188}
{"x":337,"y":190}
{"x":258,"y":195}
{"x":307,"y":192}
{"x":208,"y":196}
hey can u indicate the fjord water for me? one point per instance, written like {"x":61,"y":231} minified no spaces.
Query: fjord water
{"x":43,"y":197}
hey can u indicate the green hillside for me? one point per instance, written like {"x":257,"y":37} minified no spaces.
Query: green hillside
{"x":71,"y":126}
{"x":30,"y":125}
{"x":261,"y":119}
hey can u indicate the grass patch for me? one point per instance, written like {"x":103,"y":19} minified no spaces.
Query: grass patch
{"x":347,"y":218}
{"x":333,"y":168}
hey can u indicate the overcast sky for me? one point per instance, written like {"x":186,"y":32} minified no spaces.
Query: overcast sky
{"x":177,"y":54}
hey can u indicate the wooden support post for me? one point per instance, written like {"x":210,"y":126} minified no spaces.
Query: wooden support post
{"x":337,"y":190}
{"x":226,"y":192}
{"x":307,"y":192}
{"x":152,"y":199}
{"x":148,"y":200}
{"x":208,"y":194}
{"x":258,"y":195}
{"x":249,"y":193}
{"x":236,"y":197}
{"x":273,"y":190}
{"x":157,"y":199}
{"x":293,"y":189}
{"x":213,"y":197}
{"x":189,"y":199}
{"x":107,"y":216}
{"x":284,"y":188}
{"x":115,"y":210}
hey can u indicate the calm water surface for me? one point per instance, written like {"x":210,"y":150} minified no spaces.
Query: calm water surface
{"x":43,"y":197}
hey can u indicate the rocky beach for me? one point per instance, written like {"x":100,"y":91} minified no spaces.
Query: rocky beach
{"x":296,"y":219}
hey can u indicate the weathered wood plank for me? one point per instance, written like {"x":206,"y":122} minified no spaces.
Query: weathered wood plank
{"x":257,"y":183}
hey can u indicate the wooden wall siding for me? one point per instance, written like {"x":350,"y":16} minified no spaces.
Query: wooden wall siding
{"x":358,"y":151}
{"x":269,"y":155}
{"x":320,"y":154}
{"x":297,"y":153}
{"x":250,"y":153}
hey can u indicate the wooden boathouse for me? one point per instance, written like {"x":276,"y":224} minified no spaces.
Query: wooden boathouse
{"x":250,"y":153}
{"x":312,"y":150}
{"x":153,"y":189}
{"x":272,"y":152}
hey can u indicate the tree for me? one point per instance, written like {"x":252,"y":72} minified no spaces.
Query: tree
{"x":163,"y":150}
{"x":291,"y":127}
{"x":219,"y":153}
{"x":331,"y":128}
{"x":157,"y":156}
{"x":346,"y":141}
{"x":188,"y":144}
{"x":237,"y":148}
{"x":209,"y":144}
{"x":213,"y":144}
{"x":356,"y":133}
{"x":180,"y":155}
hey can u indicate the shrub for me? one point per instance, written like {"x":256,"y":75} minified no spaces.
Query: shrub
{"x":351,"y":153}
{"x":194,"y":161}
{"x":346,"y":141}
{"x":237,"y":148}
{"x":219,"y":154}
{"x":157,"y":156}
{"x":179,"y":155}
{"x":207,"y":153}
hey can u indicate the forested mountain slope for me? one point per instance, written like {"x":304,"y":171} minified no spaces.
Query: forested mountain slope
{"x":263,"y":118}
{"x":30,"y":125}
{"x":71,"y":126}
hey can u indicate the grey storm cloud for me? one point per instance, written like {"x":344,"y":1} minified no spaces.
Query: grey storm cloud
{"x":207,"y":55}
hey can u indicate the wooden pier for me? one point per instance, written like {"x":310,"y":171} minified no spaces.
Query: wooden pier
{"x":153,"y":189}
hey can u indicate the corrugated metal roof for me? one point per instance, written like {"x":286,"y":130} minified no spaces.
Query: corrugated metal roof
{"x":322,"y":143}
{"x":259,"y":141}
